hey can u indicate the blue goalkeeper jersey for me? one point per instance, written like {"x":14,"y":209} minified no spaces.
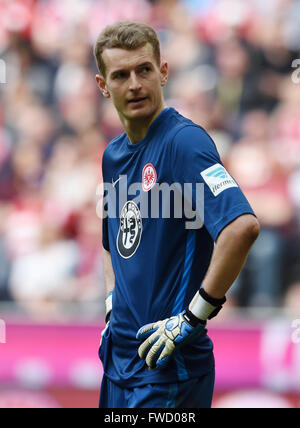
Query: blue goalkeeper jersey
{"x":168,"y":197}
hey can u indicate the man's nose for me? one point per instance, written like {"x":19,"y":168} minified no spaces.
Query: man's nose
{"x":135,"y":84}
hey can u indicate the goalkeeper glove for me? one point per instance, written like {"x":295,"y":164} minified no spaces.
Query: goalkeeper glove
{"x":162,"y":338}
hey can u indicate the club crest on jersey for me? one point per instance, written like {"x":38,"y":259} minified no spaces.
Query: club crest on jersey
{"x":130,"y":230}
{"x":149,"y":177}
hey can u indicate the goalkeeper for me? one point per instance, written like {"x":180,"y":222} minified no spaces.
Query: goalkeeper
{"x":164,"y":280}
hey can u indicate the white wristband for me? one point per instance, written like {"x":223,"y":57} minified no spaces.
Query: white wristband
{"x":108,"y":303}
{"x":200,"y":307}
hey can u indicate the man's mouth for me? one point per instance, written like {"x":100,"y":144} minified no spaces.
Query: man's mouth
{"x":137,"y":100}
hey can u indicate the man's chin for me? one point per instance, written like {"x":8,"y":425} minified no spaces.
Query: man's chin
{"x":139,"y":113}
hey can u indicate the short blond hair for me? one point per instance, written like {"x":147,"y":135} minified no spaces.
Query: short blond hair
{"x":127,"y":35}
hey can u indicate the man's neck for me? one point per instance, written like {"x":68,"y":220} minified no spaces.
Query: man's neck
{"x":136,"y":130}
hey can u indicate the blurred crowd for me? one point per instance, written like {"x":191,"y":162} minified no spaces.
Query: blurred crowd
{"x":232,"y":70}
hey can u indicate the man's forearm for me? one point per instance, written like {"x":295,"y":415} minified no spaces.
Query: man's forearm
{"x":109,"y":276}
{"x":230,"y":254}
{"x":109,"y":280}
{"x":161,"y":338}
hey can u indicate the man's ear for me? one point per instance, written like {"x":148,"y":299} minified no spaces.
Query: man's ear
{"x":164,"y":73}
{"x":102,"y":86}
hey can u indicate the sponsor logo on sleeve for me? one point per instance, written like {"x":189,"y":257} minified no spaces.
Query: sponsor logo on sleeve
{"x":218,"y":179}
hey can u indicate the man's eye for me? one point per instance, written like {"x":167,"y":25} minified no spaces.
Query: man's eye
{"x":120,"y":75}
{"x":144,"y":70}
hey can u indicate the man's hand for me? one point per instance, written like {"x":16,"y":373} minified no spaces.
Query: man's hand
{"x":103,"y":332}
{"x":162,"y":338}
